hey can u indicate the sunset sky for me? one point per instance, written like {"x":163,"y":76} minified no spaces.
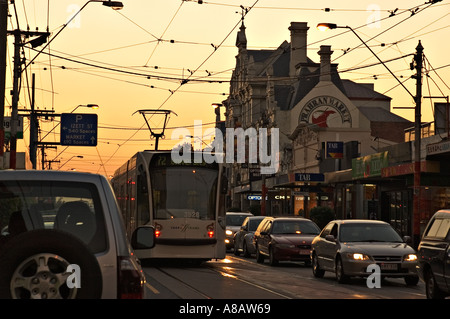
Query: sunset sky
{"x":138,"y":57}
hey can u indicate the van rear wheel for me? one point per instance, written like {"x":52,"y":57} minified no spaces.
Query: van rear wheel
{"x":35,"y":265}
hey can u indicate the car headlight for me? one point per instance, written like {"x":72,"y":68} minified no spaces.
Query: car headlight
{"x":410,"y":257}
{"x":229,"y":232}
{"x":358,"y":256}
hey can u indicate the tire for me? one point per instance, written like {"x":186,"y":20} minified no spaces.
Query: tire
{"x":272,"y":260}
{"x":259,"y":256}
{"x":236,"y":250}
{"x":340,"y":273}
{"x":245,"y":250}
{"x":40,"y":258}
{"x":411,"y":280}
{"x":431,"y":289}
{"x":317,"y":271}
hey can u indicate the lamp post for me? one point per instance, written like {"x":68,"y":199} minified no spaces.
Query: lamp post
{"x":115,"y":5}
{"x":417,"y":64}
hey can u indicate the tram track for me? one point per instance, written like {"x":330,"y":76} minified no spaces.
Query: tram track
{"x":199,"y":283}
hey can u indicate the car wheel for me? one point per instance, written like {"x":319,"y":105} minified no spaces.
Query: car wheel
{"x":35,"y":266}
{"x":431,"y":289}
{"x":236,"y":249}
{"x":317,"y":272}
{"x":340,"y":274}
{"x":272,"y":260}
{"x":246,"y":253}
{"x":411,"y":280}
{"x":259,"y":256}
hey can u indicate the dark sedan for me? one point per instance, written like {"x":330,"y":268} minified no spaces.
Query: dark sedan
{"x":284,"y":239}
{"x":243,"y":239}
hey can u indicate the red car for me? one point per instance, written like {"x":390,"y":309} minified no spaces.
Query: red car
{"x":284,"y":239}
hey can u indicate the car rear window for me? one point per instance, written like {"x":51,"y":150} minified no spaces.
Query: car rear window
{"x":72,"y":207}
{"x":439,"y":228}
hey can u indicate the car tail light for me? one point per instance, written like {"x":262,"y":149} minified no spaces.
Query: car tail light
{"x":211,"y":234}
{"x":157,"y":233}
{"x":131,"y":280}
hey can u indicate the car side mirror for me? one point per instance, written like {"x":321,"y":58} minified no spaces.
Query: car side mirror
{"x":143,"y":237}
{"x":330,"y":238}
{"x":244,"y":227}
{"x":407,"y":239}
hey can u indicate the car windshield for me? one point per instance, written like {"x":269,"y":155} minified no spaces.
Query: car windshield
{"x":295,"y":227}
{"x":235,"y":219}
{"x":365,"y":232}
{"x":253,"y":224}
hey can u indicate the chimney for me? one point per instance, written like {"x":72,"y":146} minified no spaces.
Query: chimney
{"x":325,"y":62}
{"x":299,"y":31}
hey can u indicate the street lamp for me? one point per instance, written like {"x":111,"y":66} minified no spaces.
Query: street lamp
{"x":328,"y":26}
{"x":115,"y":5}
{"x":417,"y":121}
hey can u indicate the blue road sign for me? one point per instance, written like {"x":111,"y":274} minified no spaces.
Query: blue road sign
{"x":78,"y":129}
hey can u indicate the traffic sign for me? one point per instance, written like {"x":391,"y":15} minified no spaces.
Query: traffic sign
{"x":78,"y":129}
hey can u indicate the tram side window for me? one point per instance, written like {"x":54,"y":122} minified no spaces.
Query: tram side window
{"x":143,"y":208}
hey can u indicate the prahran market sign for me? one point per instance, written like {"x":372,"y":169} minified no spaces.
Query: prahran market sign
{"x":370,"y":165}
{"x":326,"y":111}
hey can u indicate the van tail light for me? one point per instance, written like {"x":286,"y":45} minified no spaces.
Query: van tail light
{"x":157,"y":233}
{"x":210,"y":230}
{"x":131,"y":279}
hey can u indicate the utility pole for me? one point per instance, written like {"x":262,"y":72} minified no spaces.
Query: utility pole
{"x":15,"y":99}
{"x":34,"y":124}
{"x":3,"y":46}
{"x":418,"y":61}
{"x":41,"y":38}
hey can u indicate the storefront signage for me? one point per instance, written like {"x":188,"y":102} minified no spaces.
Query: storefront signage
{"x":254,"y":197}
{"x":334,"y":150}
{"x":438,"y":148}
{"x":326,"y":111}
{"x":408,"y":168}
{"x":309,"y":177}
{"x":370,"y":165}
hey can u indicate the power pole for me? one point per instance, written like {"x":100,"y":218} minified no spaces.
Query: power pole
{"x":18,"y":44}
{"x":418,"y":62}
{"x":15,"y":99}
{"x":3,"y":46}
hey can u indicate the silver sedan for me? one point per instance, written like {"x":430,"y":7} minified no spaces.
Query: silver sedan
{"x":349,"y":247}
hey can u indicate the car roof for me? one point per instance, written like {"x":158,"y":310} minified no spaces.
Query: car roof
{"x":47,"y":175}
{"x":359,"y":221}
{"x":287,"y":218}
{"x":442,"y":213}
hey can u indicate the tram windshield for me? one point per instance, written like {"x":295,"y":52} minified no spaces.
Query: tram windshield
{"x":184,"y":192}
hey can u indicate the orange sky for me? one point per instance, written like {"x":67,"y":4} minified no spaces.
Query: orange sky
{"x":202,"y":48}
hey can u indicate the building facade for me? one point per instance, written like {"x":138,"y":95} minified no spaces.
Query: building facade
{"x":312,"y":108}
